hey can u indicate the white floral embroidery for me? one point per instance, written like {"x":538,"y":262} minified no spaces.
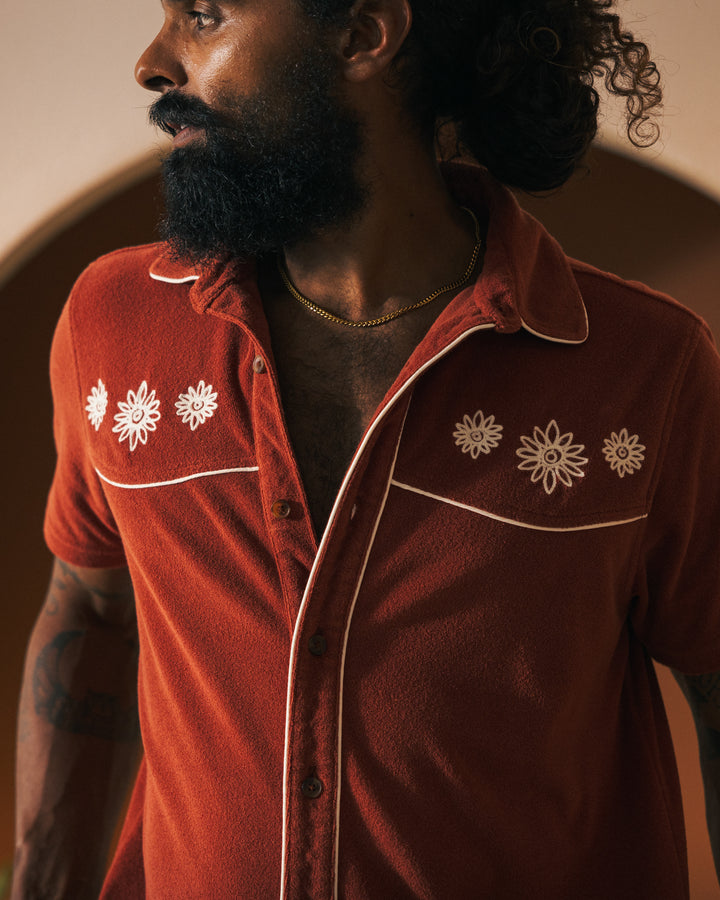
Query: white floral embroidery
{"x":137,"y":416}
{"x":552,"y":457}
{"x":197,"y":405}
{"x":97,"y":403}
{"x":624,"y":453}
{"x":477,"y":435}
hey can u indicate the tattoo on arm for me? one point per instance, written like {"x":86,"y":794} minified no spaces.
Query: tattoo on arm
{"x":96,"y":713}
{"x":70,"y":573}
{"x":52,"y":604}
{"x":705,"y":688}
{"x":703,"y":694}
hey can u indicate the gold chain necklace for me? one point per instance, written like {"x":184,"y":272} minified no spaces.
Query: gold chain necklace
{"x":381,"y":320}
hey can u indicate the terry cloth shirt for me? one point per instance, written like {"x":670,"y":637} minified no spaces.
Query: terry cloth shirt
{"x":450,"y":694}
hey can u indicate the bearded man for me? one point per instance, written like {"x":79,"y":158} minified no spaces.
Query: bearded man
{"x":371,"y":508}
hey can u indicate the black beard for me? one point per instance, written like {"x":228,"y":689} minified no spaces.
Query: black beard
{"x":274,"y":169}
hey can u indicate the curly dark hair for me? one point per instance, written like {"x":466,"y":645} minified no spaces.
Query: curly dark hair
{"x":516,"y":79}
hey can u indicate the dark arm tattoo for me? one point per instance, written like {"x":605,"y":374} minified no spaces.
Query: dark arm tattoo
{"x":52,"y":605}
{"x":94,"y":713}
{"x":70,"y":573}
{"x":706,"y":687}
{"x":703,"y":695}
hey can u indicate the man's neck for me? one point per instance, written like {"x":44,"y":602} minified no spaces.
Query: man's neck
{"x":410,"y":240}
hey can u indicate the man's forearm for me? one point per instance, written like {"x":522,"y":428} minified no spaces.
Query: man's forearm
{"x":710,"y":765}
{"x":78,"y":745}
{"x":703,"y":695}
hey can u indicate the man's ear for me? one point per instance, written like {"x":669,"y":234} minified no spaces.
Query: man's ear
{"x":374,"y":36}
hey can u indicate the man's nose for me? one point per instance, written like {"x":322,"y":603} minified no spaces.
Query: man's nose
{"x":159,"y":68}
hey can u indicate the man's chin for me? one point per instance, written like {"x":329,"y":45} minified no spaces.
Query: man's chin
{"x":202,"y":232}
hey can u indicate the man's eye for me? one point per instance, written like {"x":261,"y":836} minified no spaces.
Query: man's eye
{"x":202,"y":20}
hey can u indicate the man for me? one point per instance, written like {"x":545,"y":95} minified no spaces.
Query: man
{"x":392,"y":501}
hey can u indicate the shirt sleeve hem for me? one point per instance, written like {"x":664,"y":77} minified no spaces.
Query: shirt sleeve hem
{"x":85,"y":557}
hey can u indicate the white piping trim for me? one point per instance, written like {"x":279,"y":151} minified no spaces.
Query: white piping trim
{"x":556,"y":340}
{"x":153,"y":484}
{"x":342,"y":663}
{"x":182,"y":280}
{"x":296,"y":633}
{"x":489,"y":515}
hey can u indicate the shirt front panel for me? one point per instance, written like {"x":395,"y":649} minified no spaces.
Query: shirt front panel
{"x":495,"y":661}
{"x":184,"y":444}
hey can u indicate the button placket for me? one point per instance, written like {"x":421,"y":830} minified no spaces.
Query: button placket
{"x":314,"y":712}
{"x":289,"y":533}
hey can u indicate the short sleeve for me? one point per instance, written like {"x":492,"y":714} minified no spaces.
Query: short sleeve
{"x":677,"y":598}
{"x":79,"y":526}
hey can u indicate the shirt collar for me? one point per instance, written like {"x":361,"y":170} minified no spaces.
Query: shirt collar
{"x":526,"y":282}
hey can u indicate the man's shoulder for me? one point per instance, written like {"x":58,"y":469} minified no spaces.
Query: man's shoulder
{"x":618,"y":302}
{"x":138,"y":254}
{"x":126,"y":264}
{"x":128,"y":283}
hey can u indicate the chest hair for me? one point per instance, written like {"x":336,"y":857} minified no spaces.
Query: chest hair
{"x":332,"y":379}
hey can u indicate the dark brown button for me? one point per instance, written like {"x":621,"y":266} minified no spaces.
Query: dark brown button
{"x":312,"y":788}
{"x":317,"y":645}
{"x":258,"y":365}
{"x":280,"y":509}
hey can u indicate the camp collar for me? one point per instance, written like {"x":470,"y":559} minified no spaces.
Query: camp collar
{"x":526,"y":282}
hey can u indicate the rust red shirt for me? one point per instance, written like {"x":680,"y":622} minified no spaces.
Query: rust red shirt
{"x":450,"y":694}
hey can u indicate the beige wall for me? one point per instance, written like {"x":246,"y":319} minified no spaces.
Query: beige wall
{"x":73,"y":115}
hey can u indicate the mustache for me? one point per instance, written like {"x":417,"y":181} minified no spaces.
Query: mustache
{"x":174,"y":110}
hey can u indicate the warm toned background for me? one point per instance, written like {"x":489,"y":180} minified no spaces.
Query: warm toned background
{"x":78,"y":168}
{"x":74,"y":119}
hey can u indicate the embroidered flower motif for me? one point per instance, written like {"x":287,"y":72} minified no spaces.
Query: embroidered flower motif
{"x":97,"y":403}
{"x":197,"y":405}
{"x":137,"y":416}
{"x":624,"y":453}
{"x":477,"y":435}
{"x":552,"y":457}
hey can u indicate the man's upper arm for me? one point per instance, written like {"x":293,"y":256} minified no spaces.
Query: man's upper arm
{"x":106,"y":593}
{"x":81,"y":671}
{"x":703,"y":694}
